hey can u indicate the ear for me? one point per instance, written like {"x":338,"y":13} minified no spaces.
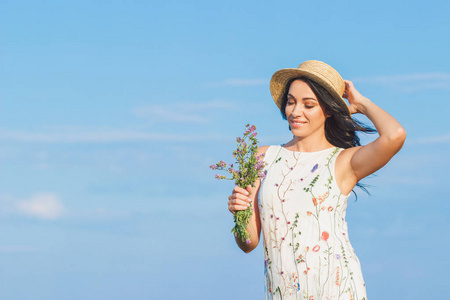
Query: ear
{"x":327,"y":113}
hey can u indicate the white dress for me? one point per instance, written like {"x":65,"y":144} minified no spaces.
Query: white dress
{"x":306,"y":247}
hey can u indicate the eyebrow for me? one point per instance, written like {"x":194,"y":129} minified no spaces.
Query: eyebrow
{"x":305,"y":98}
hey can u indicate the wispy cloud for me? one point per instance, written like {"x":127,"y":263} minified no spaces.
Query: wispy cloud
{"x":185,"y":112}
{"x":100,"y":136}
{"x":101,"y":214}
{"x":440,"y":139}
{"x":410,"y":82}
{"x":48,"y":206}
{"x":406,"y":82}
{"x":42,"y":206}
{"x":17,"y":249}
{"x":243,"y":82}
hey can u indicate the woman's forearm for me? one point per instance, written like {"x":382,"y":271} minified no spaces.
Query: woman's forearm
{"x":389,"y":129}
{"x":253,"y":230}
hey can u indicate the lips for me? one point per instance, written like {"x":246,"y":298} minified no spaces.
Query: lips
{"x":297,"y":123}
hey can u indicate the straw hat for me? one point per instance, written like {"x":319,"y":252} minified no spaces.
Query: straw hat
{"x":318,"y":72}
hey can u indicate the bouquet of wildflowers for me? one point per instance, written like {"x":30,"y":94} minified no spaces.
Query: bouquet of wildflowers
{"x":250,"y":168}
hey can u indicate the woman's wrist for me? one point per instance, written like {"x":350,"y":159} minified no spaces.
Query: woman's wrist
{"x":363,"y":106}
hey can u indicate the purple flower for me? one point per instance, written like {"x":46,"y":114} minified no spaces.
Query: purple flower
{"x":314,"y":168}
{"x":249,"y":167}
{"x":338,"y":256}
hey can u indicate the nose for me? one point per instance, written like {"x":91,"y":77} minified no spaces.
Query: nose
{"x":297,"y":111}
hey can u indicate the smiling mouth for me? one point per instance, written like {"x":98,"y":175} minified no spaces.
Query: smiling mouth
{"x":297,"y":123}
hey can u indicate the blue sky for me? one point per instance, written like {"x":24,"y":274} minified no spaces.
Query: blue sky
{"x":112,"y":111}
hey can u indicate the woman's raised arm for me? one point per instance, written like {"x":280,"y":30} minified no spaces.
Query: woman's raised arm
{"x":365,"y":160}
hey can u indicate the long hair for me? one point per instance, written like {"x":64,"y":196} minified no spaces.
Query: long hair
{"x":340,"y":128}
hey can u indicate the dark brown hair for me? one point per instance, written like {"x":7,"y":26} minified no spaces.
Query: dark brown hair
{"x":340,"y":127}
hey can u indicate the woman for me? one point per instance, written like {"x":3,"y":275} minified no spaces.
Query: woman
{"x":302,"y":201}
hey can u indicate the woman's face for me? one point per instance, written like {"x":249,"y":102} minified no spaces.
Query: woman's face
{"x":303,"y":111}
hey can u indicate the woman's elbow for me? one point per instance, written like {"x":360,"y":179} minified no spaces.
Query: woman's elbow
{"x":397,"y":137}
{"x":400,"y":135}
{"x":247,"y":248}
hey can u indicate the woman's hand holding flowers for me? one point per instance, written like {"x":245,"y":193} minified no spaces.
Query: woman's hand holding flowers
{"x":239,"y":199}
{"x":250,"y":168}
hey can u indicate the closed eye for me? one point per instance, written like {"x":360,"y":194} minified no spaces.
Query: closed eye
{"x":309,"y":104}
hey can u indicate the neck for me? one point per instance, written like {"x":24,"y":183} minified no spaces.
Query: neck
{"x":308,"y":144}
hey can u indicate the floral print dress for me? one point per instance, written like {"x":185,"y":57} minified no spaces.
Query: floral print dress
{"x":306,"y":247}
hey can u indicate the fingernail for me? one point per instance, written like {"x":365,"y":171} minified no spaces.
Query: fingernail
{"x":249,"y":200}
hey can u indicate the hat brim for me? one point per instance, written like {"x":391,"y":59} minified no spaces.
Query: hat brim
{"x":281,"y":77}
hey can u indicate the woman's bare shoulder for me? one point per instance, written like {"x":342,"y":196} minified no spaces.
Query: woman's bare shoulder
{"x":343,"y":159}
{"x":262,"y":149}
{"x":347,"y":154}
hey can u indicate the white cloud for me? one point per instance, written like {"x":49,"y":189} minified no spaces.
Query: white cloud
{"x":428,"y":140}
{"x":48,"y":206}
{"x":100,"y":137}
{"x":17,"y":249}
{"x":243,"y":82}
{"x":405,"y":83}
{"x":100,"y":213}
{"x":173,"y":113}
{"x":410,"y":82}
{"x":42,"y":206}
{"x":184,"y":112}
